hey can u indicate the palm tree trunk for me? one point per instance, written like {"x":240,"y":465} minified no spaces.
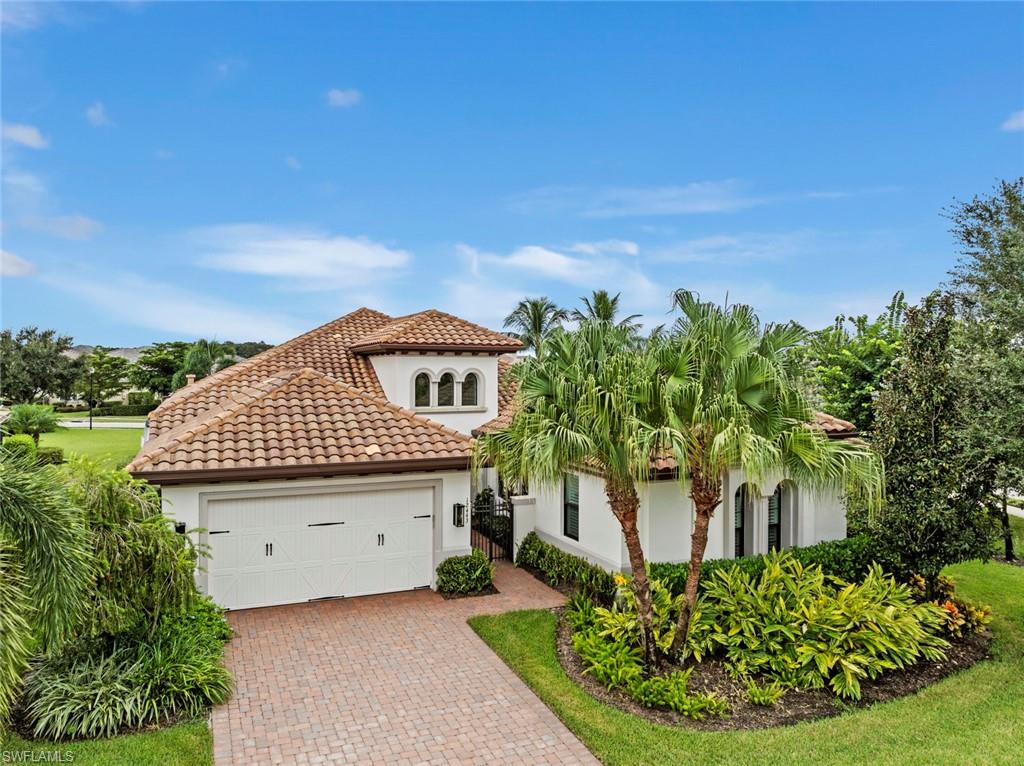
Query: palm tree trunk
{"x":706,"y":496}
{"x":1007,"y":529}
{"x":625,"y":505}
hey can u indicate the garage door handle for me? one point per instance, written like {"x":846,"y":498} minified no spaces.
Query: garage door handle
{"x":326,"y":524}
{"x":220,"y":532}
{"x":422,"y":516}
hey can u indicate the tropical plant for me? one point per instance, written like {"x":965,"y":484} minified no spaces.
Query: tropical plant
{"x":99,"y":687}
{"x":730,"y":400}
{"x":613,"y":664}
{"x":989,"y":282}
{"x":563,"y":568}
{"x":585,"y":404}
{"x":796,"y":626}
{"x":465,"y":574}
{"x":155,"y":368}
{"x":33,"y":364}
{"x":620,"y":622}
{"x":671,"y":691}
{"x":31,"y":419}
{"x":939,"y":507}
{"x":203,"y":358}
{"x":767,"y":694}
{"x":534,"y":320}
{"x":142,"y":569}
{"x":600,"y":306}
{"x":46,"y":563}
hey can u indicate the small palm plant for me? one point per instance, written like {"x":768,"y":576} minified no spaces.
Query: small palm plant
{"x":534,"y":320}
{"x":31,"y":419}
{"x":584,"y":404}
{"x":730,"y":399}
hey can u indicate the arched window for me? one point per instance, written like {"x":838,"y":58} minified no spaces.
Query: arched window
{"x":741,"y":511}
{"x":446,"y":390}
{"x":775,"y":519}
{"x":422,"y":390}
{"x":470,"y":390}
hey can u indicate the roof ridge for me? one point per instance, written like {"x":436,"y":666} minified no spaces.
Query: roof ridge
{"x":228,"y":372}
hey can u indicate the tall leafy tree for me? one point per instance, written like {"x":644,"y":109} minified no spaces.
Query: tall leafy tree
{"x":989,"y":281}
{"x":730,"y":400}
{"x":534,"y":320}
{"x":102,"y":375}
{"x":34,"y":365}
{"x":849,"y":360}
{"x":603,"y":307}
{"x":154,"y":369}
{"x":44,"y":563}
{"x":585,"y":405}
{"x":203,"y":358}
{"x":937,"y":509}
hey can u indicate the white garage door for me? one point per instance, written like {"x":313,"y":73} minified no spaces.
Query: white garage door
{"x":289,"y":548}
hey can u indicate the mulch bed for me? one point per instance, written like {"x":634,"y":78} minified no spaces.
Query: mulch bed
{"x":795,"y":706}
{"x":490,"y":590}
{"x":566,"y":589}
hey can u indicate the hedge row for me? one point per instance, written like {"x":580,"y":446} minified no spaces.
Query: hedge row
{"x":122,"y":410}
{"x":846,"y":559}
{"x":22,"y":445}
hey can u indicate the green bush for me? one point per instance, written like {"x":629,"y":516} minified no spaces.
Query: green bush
{"x":100,"y":687}
{"x":671,"y":691}
{"x":621,"y":622}
{"x":123,"y":410}
{"x":465,"y":574}
{"x":613,"y":664}
{"x":796,"y":626}
{"x":49,"y":455}
{"x":766,"y":695}
{"x":580,"y":612}
{"x":140,"y":398}
{"x":848,"y":559}
{"x":20,"y":446}
{"x":563,"y":568}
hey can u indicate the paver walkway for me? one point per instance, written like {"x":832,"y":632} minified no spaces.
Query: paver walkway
{"x":394,"y":679}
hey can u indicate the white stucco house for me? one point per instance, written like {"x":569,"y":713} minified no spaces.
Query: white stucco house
{"x":338,"y":464}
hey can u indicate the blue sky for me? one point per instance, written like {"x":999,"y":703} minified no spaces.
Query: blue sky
{"x":249,"y":171}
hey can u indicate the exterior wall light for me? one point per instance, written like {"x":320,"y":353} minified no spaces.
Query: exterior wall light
{"x":459,"y":515}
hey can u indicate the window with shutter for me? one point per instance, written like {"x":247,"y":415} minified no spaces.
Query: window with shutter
{"x":571,"y":506}
{"x":775,"y":519}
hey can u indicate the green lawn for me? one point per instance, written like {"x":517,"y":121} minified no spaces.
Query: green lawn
{"x":112,"y":447}
{"x":974,"y":717}
{"x":187,"y":744}
{"x":1017,"y":525}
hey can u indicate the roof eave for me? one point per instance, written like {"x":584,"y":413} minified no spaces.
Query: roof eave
{"x":464,"y":348}
{"x":211,"y":475}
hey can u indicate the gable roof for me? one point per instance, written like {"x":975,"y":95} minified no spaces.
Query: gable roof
{"x":299,"y":423}
{"x":434,"y":330}
{"x":326,"y":349}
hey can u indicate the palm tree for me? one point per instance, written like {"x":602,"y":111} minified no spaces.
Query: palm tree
{"x":533,"y":320}
{"x":31,"y":419}
{"x":203,"y":358}
{"x":584,"y":405}
{"x":44,"y":565}
{"x":730,"y":401}
{"x":602,"y":307}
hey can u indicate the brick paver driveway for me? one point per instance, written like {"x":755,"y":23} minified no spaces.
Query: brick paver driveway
{"x":394,"y":679}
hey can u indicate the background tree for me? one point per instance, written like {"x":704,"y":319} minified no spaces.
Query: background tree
{"x":584,"y":404}
{"x":989,"y":281}
{"x":938,"y":494}
{"x":602,"y":307}
{"x":729,"y":400}
{"x":154,"y":369}
{"x":534,"y":320}
{"x":33,"y":365}
{"x":31,"y":419}
{"x":250,"y":348}
{"x":102,"y":375}
{"x":45,"y":565}
{"x":849,"y":360}
{"x":203,"y":358}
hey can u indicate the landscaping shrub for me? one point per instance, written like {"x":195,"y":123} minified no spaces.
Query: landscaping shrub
{"x":563,"y":568}
{"x":621,"y":623}
{"x":123,"y":410}
{"x":465,"y":574}
{"x":796,"y":626}
{"x":580,"y":612}
{"x":140,"y":398}
{"x":766,"y":695}
{"x":49,"y":455}
{"x":99,"y":687}
{"x":613,"y":664}
{"x":962,"y":617}
{"x":848,"y":559}
{"x":670,"y":691}
{"x":20,"y":446}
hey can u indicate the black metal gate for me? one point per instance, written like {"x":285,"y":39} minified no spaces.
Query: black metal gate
{"x":491,"y":528}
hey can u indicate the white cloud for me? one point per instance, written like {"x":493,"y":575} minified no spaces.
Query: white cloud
{"x":736,"y":248}
{"x":1014,"y":122}
{"x":343,"y":98}
{"x":611,"y":246}
{"x":25,"y":135}
{"x":309,"y":258}
{"x":13,"y":266}
{"x":24,"y":16}
{"x":30,"y":205}
{"x":166,"y":308}
{"x":77,"y":226}
{"x":292,"y":162}
{"x":96,"y":114}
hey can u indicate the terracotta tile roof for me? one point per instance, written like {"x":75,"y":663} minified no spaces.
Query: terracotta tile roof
{"x":325,"y":349}
{"x":299,"y":422}
{"x":434,"y":330}
{"x":833,"y":426}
